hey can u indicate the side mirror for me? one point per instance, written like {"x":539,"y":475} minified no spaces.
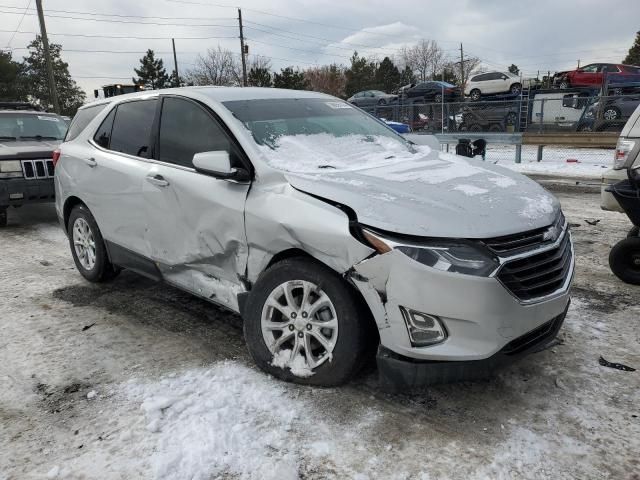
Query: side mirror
{"x":218,"y":165}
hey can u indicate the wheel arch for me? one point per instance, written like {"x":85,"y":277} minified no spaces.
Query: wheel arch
{"x":69,"y":204}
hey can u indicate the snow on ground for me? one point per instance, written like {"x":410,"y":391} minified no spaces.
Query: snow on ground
{"x":161,"y":387}
{"x":591,"y":162}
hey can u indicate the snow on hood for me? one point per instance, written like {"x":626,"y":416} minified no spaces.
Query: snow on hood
{"x":429,"y":193}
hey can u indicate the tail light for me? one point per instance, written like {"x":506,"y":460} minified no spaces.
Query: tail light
{"x":55,"y":156}
{"x":623,"y":149}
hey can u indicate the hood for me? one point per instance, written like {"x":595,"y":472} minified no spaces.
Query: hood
{"x":29,"y":149}
{"x":437,"y":195}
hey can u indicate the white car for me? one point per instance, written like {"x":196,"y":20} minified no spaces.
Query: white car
{"x":494,"y":82}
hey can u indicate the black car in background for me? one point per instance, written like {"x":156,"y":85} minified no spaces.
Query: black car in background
{"x":434,"y":91}
{"x":490,"y":116}
{"x":28,"y":138}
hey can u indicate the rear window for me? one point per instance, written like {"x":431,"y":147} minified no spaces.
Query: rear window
{"x":131,"y":133}
{"x":82,"y":118}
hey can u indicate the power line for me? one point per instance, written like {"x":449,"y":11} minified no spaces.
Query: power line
{"x":116,"y":51}
{"x":122,"y":36}
{"x":24,"y":13}
{"x":93,"y":14}
{"x":130,"y":22}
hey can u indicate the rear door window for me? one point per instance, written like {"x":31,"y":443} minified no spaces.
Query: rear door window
{"x":81,"y":119}
{"x":103,"y":135}
{"x":131,"y":133}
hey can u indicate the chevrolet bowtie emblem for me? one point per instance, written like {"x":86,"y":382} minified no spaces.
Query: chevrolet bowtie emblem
{"x":551,"y":234}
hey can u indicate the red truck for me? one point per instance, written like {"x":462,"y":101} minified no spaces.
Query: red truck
{"x":594,"y":74}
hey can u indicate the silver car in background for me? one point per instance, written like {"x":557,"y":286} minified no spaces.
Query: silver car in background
{"x":333,"y":237}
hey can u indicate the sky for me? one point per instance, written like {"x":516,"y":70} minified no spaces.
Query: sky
{"x":537,"y":36}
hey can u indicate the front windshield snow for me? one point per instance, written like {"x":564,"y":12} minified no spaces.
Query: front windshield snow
{"x":315,"y":134}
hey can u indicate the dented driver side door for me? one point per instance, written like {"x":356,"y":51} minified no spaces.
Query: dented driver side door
{"x":195,"y":223}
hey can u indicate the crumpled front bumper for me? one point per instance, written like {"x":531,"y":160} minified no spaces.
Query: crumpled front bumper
{"x":400,"y":373}
{"x":482,"y":318}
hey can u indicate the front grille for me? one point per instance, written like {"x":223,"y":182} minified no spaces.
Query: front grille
{"x":510,"y":244}
{"x":539,"y":274}
{"x":41,"y":168}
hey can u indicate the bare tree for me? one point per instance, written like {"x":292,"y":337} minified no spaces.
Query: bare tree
{"x":216,"y":67}
{"x":426,"y":59}
{"x":326,"y":79}
{"x":259,"y":62}
{"x":470,"y":64}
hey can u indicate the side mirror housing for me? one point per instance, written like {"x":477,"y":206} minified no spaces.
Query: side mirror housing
{"x":218,"y":165}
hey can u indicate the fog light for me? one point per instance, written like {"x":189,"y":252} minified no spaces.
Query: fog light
{"x":16,"y":196}
{"x":424,"y":329}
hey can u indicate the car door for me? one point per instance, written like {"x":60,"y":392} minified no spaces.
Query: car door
{"x":494,"y":83}
{"x":587,"y":75}
{"x":195,"y":232}
{"x":111,"y":173}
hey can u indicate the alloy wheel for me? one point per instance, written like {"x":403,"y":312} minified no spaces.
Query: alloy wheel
{"x":299,"y":325}
{"x":84,"y":243}
{"x":610,"y":114}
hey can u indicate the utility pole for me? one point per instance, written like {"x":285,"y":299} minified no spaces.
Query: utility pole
{"x":461,"y":69}
{"x":578,"y":63}
{"x":175,"y":62}
{"x":47,"y":56}
{"x":242,"y":50}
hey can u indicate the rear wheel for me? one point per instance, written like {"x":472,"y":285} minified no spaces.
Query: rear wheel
{"x":87,"y":246}
{"x":475,"y":94}
{"x":382,"y":101}
{"x":475,"y":127}
{"x":564,"y":84}
{"x":3,"y":216}
{"x":634,"y":232}
{"x":303,"y":324}
{"x":624,"y":260}
{"x":611,"y":113}
{"x":516,"y":88}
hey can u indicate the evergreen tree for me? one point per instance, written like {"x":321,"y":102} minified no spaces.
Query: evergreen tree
{"x":514,"y":69}
{"x":449,"y":75}
{"x":361,"y":75}
{"x":174,"y":81}
{"x":633,"y":57}
{"x":407,"y":76}
{"x":151,"y":73}
{"x":34,"y":78}
{"x":290,"y":78}
{"x":259,"y":77}
{"x":10,"y":73}
{"x":387,"y":76}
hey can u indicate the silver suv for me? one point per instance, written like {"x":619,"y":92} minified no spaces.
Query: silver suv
{"x":330,"y":234}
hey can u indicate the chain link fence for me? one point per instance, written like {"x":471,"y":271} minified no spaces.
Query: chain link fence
{"x":555,"y":111}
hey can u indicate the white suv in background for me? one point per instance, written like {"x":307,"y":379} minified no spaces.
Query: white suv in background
{"x":495,"y":82}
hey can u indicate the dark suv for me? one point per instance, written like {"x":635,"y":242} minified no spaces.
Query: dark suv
{"x":28,"y":138}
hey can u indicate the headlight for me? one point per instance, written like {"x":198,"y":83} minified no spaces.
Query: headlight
{"x":458,"y":256}
{"x":7,"y":166}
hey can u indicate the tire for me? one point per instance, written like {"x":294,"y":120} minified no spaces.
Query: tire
{"x":475,"y":95}
{"x":382,"y":101}
{"x":496,"y":128}
{"x":101,"y":269}
{"x":634,"y":232}
{"x":624,"y":260}
{"x":564,"y":84}
{"x":3,"y":217}
{"x":611,"y":113}
{"x":475,"y":127}
{"x":349,"y":341}
{"x":511,"y":118}
{"x":516,"y":89}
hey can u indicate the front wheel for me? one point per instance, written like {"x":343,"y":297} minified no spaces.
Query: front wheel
{"x":475,"y":94}
{"x":624,"y":260}
{"x":564,"y":84}
{"x":303,"y":324}
{"x":87,"y":246}
{"x":611,"y":113}
{"x":516,"y":88}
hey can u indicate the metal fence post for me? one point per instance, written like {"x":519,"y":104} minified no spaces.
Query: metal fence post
{"x":541,"y":115}
{"x":518,"y":153}
{"x":540,"y":147}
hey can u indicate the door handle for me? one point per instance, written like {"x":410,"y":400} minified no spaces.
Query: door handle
{"x":157,"y":180}
{"x":91,"y":162}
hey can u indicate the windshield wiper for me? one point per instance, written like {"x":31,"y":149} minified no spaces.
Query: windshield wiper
{"x":326,"y":166}
{"x":37,"y":137}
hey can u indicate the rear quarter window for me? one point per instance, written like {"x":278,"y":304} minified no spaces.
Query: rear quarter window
{"x":81,"y":119}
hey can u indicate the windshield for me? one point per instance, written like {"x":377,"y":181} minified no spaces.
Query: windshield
{"x":446,"y":84}
{"x":311,"y":134}
{"x":29,"y":126}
